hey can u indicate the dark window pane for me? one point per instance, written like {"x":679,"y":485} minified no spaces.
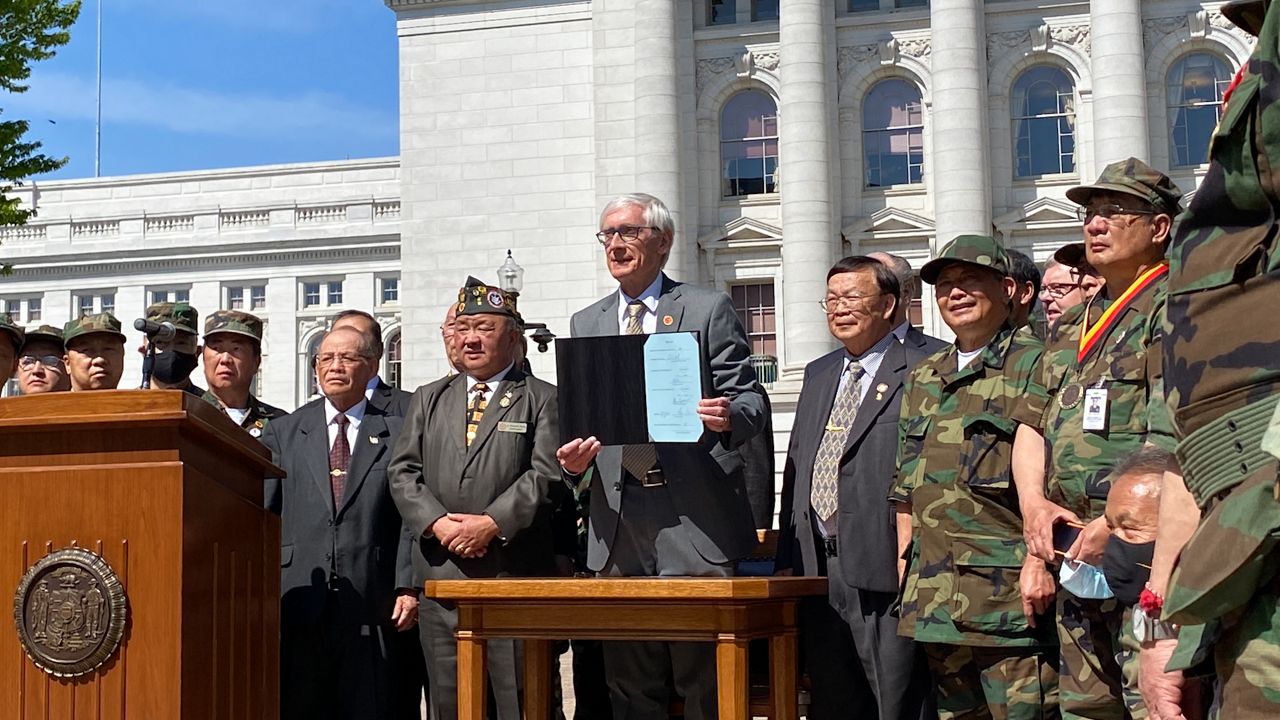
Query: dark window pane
{"x":1043,"y":115}
{"x":764,"y":10}
{"x":723,"y":12}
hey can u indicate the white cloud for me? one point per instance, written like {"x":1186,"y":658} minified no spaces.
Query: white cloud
{"x":195,"y":111}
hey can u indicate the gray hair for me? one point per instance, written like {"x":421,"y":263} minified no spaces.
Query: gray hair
{"x":656,"y":213}
{"x":367,"y":348}
{"x":906,"y":275}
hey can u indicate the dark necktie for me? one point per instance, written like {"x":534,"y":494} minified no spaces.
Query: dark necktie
{"x":339,"y":461}
{"x":826,"y":468}
{"x":637,"y":459}
{"x":475,"y":410}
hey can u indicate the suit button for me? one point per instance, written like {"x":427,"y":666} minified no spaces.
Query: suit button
{"x":328,"y":556}
{"x":330,"y":522}
{"x":617,"y":486}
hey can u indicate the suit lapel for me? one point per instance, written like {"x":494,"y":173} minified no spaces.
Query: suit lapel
{"x":454,"y":406}
{"x":889,"y":376}
{"x":366,"y":452}
{"x":824,"y":383}
{"x":607,"y":321}
{"x":669,"y":306}
{"x":510,"y":390}
{"x":315,"y":448}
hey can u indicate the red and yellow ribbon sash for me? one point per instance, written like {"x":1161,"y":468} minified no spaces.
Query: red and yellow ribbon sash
{"x":1094,"y":334}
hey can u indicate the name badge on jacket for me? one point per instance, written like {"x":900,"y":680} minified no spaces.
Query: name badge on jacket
{"x":514,"y":427}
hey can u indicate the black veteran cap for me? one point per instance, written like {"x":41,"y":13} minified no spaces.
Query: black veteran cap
{"x":981,"y":250}
{"x":182,"y":315}
{"x":1246,"y":14}
{"x":235,"y":322}
{"x":45,"y":333}
{"x":104,"y":323}
{"x":14,"y":332}
{"x":476,"y":298}
{"x":1071,"y":254}
{"x":1136,"y":178}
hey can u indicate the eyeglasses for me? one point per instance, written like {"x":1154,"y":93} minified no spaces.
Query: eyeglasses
{"x":628,"y":233}
{"x":1058,"y":291}
{"x":344,"y":360}
{"x":832,"y":304}
{"x":1107,"y":212}
{"x":26,"y":362}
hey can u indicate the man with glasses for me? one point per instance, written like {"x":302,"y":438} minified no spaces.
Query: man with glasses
{"x":232,"y":354}
{"x":671,"y":509}
{"x":840,"y":466}
{"x":10,"y":345}
{"x":346,"y":582}
{"x":1066,"y":284}
{"x":979,"y":605}
{"x":40,"y":366}
{"x":1107,"y":403}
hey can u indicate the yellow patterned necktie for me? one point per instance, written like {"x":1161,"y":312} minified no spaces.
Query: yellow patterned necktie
{"x":475,"y":410}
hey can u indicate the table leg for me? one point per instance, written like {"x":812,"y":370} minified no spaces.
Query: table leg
{"x":731,"y":677}
{"x":782,"y":676}
{"x":472,"y":691}
{"x":537,"y":680}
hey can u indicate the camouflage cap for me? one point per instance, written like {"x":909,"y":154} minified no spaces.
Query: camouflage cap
{"x":477,"y":298}
{"x":45,"y":333}
{"x":1136,"y":178}
{"x":235,"y":322}
{"x":14,"y":332}
{"x":182,"y":315}
{"x":89,"y":324}
{"x":1246,"y":14}
{"x":981,"y":250}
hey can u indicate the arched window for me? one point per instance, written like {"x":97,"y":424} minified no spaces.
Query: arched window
{"x":892,"y":134}
{"x":749,"y":144}
{"x":392,"y":375}
{"x":1195,"y":87}
{"x":310,"y":386}
{"x":1044,"y":122}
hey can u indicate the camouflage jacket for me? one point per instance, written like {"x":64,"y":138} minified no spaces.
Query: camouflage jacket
{"x":955,"y":447}
{"x":259,"y":414}
{"x":1127,"y":363}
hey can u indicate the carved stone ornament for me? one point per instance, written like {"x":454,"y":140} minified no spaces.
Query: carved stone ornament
{"x":1155,"y":29}
{"x":70,"y":611}
{"x":708,"y":69}
{"x":1075,"y":35}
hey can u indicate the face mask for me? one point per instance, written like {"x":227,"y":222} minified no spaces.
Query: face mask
{"x":1122,"y":563}
{"x":172,"y":367}
{"x":1083,"y":580}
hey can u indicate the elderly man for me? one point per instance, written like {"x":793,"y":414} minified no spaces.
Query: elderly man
{"x":394,"y":400}
{"x":40,"y":365}
{"x":1107,"y":403}
{"x":669,"y":509}
{"x":909,"y":287}
{"x":446,"y":336}
{"x":1065,"y":286}
{"x":345,"y":577}
{"x":175,"y":359}
{"x":95,"y":352}
{"x":10,"y":344}
{"x":1027,"y":278}
{"x":840,"y":466}
{"x":232,"y":354}
{"x":472,"y":475}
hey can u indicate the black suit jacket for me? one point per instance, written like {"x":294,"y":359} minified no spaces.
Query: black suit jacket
{"x":392,"y":401}
{"x":926,"y":344}
{"x":866,"y":527}
{"x":362,"y":545}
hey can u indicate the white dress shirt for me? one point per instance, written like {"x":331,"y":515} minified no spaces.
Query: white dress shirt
{"x":492,"y":382}
{"x":649,"y":319}
{"x":870,"y":361}
{"x":355,"y":415}
{"x":373,"y":385}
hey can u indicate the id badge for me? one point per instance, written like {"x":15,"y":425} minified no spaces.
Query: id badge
{"x":1095,"y":409}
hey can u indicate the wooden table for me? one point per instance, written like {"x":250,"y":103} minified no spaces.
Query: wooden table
{"x":729,"y":612}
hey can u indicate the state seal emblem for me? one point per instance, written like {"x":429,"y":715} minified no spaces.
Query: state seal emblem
{"x":70,"y":611}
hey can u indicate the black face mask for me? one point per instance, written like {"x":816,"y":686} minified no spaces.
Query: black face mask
{"x":1122,"y":565}
{"x":172,"y":366}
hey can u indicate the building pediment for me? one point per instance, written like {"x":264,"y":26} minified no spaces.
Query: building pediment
{"x":1040,"y":214}
{"x":890,"y":222}
{"x":741,"y":234}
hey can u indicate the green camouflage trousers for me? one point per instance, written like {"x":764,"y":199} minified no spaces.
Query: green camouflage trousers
{"x":1247,"y":658}
{"x":1099,"y":660}
{"x":995,"y":683}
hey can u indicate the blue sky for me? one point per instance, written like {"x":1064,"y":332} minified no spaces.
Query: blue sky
{"x":196,"y":84}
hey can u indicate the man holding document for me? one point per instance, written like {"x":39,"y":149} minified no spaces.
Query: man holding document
{"x":671,"y":508}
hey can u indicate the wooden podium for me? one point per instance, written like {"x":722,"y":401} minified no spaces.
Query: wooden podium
{"x":168,"y":492}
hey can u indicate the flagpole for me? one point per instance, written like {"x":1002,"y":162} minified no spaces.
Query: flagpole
{"x":97,"y":125}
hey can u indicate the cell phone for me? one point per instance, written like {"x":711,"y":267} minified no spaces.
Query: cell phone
{"x":1064,"y":536}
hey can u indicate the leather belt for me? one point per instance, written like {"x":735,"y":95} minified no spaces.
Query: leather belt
{"x":653,"y":478}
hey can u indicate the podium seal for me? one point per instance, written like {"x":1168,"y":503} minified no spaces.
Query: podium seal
{"x":70,"y":611}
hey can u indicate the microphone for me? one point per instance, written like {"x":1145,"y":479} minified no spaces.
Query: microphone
{"x":155,"y":330}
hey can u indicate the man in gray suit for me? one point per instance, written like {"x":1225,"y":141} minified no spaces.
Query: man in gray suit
{"x":909,"y":289}
{"x":472,"y":475}
{"x":667,"y":509}
{"x":835,"y":519}
{"x":345,"y":578}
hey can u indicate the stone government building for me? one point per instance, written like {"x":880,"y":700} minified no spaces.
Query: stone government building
{"x":783,"y":133}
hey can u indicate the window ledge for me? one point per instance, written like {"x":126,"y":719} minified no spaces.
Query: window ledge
{"x":1047,"y":180}
{"x":896,"y":190}
{"x":751,"y":200}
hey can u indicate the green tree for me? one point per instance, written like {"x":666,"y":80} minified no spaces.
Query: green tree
{"x":30,"y":31}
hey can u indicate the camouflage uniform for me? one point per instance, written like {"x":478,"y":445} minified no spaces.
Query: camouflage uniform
{"x":89,"y":324}
{"x":961,"y":594}
{"x":236,"y":322}
{"x":183,"y":317}
{"x":1222,"y":355}
{"x":1098,"y":671}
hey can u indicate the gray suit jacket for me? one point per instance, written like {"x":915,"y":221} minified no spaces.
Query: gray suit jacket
{"x":866,"y":536}
{"x":507,"y":473}
{"x":704,"y":479}
{"x":363,"y":543}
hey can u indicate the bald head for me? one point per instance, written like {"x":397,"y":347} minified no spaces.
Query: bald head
{"x":906,"y":283}
{"x":1133,"y":503}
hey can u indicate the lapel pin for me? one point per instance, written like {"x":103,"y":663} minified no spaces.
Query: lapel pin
{"x":880,"y":390}
{"x":667,"y":320}
{"x":255,"y":431}
{"x":373,"y":440}
{"x":504,"y":401}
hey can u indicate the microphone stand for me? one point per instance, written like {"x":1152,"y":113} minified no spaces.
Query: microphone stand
{"x":148,"y":362}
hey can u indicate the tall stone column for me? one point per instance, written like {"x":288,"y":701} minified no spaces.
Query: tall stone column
{"x":806,"y":158}
{"x":657,"y":117}
{"x":1119,"y":88}
{"x":957,"y":166}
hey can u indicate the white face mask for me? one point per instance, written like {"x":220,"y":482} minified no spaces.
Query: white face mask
{"x":1084,"y":580}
